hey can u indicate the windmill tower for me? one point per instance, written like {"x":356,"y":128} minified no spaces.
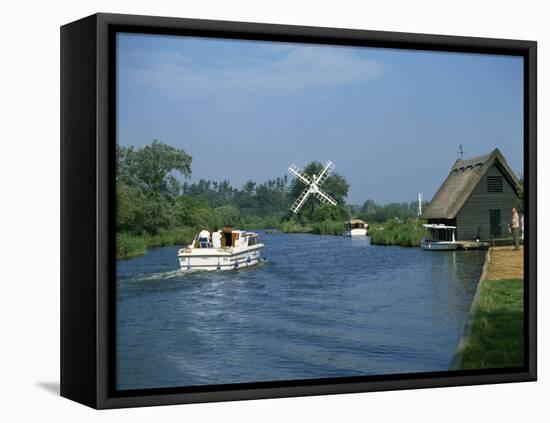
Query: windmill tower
{"x":313,"y":184}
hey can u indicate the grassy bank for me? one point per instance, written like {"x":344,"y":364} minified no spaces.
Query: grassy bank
{"x":128,"y":245}
{"x":328,"y":227}
{"x":394,"y":232}
{"x":496,"y":339}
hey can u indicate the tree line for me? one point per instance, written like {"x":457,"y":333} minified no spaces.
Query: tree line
{"x":155,"y":198}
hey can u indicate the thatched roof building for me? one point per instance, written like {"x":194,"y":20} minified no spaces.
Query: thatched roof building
{"x":477,"y":197}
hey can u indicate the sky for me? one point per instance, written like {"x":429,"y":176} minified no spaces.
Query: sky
{"x":391,"y":120}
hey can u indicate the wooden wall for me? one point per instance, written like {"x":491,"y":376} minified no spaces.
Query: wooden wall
{"x":473,"y":219}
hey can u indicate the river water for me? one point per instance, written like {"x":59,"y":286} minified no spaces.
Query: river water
{"x":321,"y":306}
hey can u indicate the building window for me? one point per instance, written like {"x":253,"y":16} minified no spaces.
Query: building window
{"x":494,"y":183}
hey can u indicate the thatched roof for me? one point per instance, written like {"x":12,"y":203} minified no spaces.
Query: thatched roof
{"x":463,"y":178}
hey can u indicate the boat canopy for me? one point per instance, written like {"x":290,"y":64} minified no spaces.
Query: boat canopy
{"x":437,"y":226}
{"x":441,"y":232}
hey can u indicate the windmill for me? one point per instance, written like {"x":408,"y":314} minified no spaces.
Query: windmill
{"x":312,"y":186}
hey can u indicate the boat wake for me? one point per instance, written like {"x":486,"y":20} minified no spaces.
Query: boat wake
{"x":179,"y":274}
{"x":155,"y":276}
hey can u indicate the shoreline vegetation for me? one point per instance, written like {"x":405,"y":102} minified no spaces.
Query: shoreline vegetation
{"x":496,"y":337}
{"x":155,"y":208}
{"x":404,"y":234}
{"x":395,"y":232}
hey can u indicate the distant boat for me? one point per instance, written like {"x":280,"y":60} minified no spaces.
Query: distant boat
{"x":238,"y":250}
{"x":441,"y":238}
{"x":356,"y":227}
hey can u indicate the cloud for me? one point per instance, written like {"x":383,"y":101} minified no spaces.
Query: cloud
{"x":274,"y":69}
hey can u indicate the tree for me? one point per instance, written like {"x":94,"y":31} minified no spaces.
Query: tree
{"x":229,"y":215}
{"x":152,"y":167}
{"x":194,"y":212}
{"x":373,"y":212}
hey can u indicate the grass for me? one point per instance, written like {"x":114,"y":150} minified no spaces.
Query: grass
{"x":394,"y":232}
{"x":496,"y":339}
{"x":328,"y":227}
{"x":128,"y":245}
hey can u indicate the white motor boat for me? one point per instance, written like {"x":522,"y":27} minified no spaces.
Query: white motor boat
{"x":441,"y":238}
{"x":238,"y":250}
{"x":356,"y":227}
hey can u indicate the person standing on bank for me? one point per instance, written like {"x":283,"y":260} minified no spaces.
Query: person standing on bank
{"x":515,"y":228}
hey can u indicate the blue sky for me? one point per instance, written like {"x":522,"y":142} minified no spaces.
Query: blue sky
{"x":390,"y":120}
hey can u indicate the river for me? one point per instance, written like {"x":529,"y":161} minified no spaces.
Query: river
{"x":320,"y":306}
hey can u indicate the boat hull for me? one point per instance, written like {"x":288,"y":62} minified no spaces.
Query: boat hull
{"x":212,"y":259}
{"x":356,"y":232}
{"x":439,"y":246}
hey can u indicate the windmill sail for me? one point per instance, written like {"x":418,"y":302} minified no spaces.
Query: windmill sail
{"x":300,"y":201}
{"x":325,"y":173}
{"x":298,"y":173}
{"x":324,"y":198}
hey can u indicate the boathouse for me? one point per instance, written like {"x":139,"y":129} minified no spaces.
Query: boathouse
{"x":477,"y":197}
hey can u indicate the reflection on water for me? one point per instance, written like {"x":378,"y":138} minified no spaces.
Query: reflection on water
{"x":322,"y":306}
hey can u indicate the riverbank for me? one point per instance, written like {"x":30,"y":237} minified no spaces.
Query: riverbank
{"x":494,"y":336}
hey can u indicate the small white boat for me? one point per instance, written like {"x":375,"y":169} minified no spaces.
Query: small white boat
{"x":238,"y":250}
{"x":356,"y":227}
{"x":442,"y":238}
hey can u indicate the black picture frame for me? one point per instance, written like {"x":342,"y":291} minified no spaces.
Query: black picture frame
{"x":87,"y":208}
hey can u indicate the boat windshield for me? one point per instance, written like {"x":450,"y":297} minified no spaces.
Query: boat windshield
{"x":253,"y":240}
{"x":354,"y":225}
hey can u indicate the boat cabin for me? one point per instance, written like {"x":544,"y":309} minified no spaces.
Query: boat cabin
{"x":440,"y":232}
{"x":355,"y":224}
{"x":230,"y":238}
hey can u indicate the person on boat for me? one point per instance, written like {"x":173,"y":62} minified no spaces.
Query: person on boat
{"x":217,"y":239}
{"x":515,"y":228}
{"x":204,"y":239}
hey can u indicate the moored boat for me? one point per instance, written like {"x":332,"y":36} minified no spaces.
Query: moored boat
{"x":235,"y":249}
{"x":441,"y":238}
{"x":356,"y":227}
